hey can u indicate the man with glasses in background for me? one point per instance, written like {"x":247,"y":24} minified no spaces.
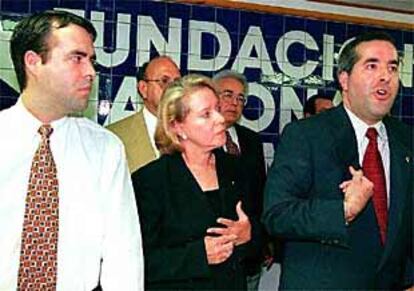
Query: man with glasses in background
{"x":137,"y":131}
{"x":246,"y":145}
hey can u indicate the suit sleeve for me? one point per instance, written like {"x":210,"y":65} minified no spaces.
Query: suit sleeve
{"x":291,"y":210}
{"x":183,"y":261}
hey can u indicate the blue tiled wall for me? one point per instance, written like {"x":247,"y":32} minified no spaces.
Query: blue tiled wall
{"x":269,"y":49}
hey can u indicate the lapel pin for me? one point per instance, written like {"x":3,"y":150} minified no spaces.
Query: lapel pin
{"x":407,"y":159}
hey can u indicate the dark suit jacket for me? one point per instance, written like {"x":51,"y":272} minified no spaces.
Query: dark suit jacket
{"x":253,"y":167}
{"x":175,"y":214}
{"x":251,"y":150}
{"x":304,"y":204}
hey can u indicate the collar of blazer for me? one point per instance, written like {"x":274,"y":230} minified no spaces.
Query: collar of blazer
{"x":226,"y":173}
{"x":401,"y":177}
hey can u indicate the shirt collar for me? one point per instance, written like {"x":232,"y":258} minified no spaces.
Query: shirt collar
{"x":150,"y":119}
{"x":29,"y":124}
{"x":360,"y":127}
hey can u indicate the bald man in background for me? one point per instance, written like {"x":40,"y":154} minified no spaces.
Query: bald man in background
{"x":137,"y":131}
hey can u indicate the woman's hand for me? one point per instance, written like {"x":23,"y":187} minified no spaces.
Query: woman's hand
{"x":219,"y":248}
{"x":241,"y":228}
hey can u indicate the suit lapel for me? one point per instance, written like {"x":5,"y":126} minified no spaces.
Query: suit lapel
{"x":399,"y":180}
{"x":145,"y":145}
{"x":243,"y":143}
{"x":344,"y":136}
{"x":227,"y":181}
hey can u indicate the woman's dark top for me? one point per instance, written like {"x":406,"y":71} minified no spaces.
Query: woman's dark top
{"x":175,"y":214}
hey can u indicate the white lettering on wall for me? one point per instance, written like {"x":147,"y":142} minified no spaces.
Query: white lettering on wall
{"x":406,"y":72}
{"x":148,"y":33}
{"x":121,"y":50}
{"x":127,"y":93}
{"x":195,"y":35}
{"x":269,"y":106}
{"x":253,"y":41}
{"x":328,"y":57}
{"x":282,"y":47}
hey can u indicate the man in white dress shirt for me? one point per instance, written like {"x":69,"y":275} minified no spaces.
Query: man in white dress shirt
{"x":99,"y":242}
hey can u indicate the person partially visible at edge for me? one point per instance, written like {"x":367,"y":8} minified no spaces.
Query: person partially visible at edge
{"x":137,"y":131}
{"x":316,"y":104}
{"x":340,"y":188}
{"x":97,"y":230}
{"x":192,"y":200}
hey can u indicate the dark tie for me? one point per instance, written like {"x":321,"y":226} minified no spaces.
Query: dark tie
{"x":38,"y":255}
{"x":231,"y":146}
{"x":374,"y":171}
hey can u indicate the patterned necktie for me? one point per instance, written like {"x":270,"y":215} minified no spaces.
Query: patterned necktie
{"x":38,"y":256}
{"x":374,"y":171}
{"x":231,"y":146}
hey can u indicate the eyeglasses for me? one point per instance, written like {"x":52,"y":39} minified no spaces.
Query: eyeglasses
{"x":229,"y":96}
{"x":162,"y":82}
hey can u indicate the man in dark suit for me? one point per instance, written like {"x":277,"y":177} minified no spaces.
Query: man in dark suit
{"x":346,"y":227}
{"x":245,"y":143}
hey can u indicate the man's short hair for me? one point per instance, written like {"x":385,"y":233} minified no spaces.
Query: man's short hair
{"x":349,"y":56}
{"x":233,"y":75}
{"x":310,"y":104}
{"x":32,"y":34}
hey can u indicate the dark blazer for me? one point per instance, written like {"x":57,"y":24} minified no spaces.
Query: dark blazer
{"x":251,"y":150}
{"x":175,"y":214}
{"x":253,"y":167}
{"x":304,"y":204}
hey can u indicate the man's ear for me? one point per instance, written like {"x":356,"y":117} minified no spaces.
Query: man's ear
{"x":343,"y":80}
{"x":142,"y":88}
{"x":32,"y":60}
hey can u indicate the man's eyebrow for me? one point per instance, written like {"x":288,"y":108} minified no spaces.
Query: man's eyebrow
{"x":371,"y":60}
{"x":376,"y":60}
{"x":394,"y":62}
{"x":78,"y":52}
{"x":83,"y":54}
{"x":231,"y":91}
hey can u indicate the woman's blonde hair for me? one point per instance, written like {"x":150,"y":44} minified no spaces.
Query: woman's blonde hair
{"x":174,"y":108}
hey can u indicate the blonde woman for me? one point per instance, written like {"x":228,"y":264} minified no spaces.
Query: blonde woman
{"x":194,"y":223}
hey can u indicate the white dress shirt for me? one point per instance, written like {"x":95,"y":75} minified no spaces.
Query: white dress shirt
{"x":99,"y":232}
{"x":360,"y":129}
{"x":151,"y":124}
